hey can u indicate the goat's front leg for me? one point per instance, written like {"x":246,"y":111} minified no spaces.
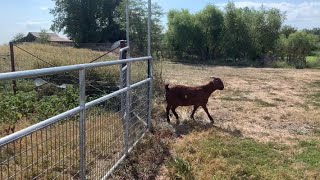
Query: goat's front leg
{"x":168,"y":111}
{"x":175,"y":114}
{"x":206,"y":110}
{"x":195,"y":107}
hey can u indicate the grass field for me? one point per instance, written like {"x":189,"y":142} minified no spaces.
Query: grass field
{"x":267,"y":121}
{"x":267,"y":125}
{"x":54,"y":55}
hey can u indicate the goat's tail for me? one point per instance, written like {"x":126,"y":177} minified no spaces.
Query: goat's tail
{"x":167,"y":87}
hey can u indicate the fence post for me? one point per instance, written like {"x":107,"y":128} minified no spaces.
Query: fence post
{"x":150,"y":63}
{"x":82,"y":130}
{"x":127,"y":116}
{"x":13,"y":67}
{"x":125,"y":104}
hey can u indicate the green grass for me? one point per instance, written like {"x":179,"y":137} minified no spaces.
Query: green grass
{"x":314,"y":97}
{"x":263,"y":103}
{"x":180,"y":169}
{"x":279,"y":99}
{"x":310,"y":154}
{"x":219,"y":156}
{"x":313,"y":61}
{"x":229,"y":98}
{"x":259,"y":102}
{"x":315,"y":84}
{"x":280,"y":64}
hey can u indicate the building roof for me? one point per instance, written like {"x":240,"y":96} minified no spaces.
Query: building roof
{"x":53,"y":37}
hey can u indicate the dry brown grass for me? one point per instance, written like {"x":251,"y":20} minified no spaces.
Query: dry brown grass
{"x":56,"y":55}
{"x":264,"y":104}
{"x":272,"y":111}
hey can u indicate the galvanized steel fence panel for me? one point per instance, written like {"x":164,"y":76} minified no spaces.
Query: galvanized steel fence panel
{"x":88,"y":141}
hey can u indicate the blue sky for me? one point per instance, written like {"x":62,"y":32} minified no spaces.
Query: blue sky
{"x":32,"y":15}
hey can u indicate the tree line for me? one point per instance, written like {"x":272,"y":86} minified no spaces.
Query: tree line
{"x":238,"y":34}
{"x":229,"y":35}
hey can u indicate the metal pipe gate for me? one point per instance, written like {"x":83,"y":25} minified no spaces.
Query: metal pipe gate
{"x":90,"y":140}
{"x":86,"y":142}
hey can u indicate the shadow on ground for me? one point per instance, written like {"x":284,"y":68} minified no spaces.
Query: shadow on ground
{"x":153,"y":151}
{"x":186,"y":127}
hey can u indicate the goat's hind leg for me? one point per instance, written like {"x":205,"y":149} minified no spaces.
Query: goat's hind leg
{"x":168,"y":112}
{"x":173,"y":109}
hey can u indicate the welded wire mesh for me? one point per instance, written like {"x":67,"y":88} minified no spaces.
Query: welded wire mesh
{"x":112,"y":127}
{"x":104,"y":137}
{"x":48,"y":153}
{"x":105,"y":129}
{"x":139,"y":71}
{"x":138,"y":113}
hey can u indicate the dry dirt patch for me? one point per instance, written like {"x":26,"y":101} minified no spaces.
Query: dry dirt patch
{"x":264,"y":104}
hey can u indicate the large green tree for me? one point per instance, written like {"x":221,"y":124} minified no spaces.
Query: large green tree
{"x":210,"y":22}
{"x":236,"y":33}
{"x":287,"y":30}
{"x":183,"y":35}
{"x":87,"y":20}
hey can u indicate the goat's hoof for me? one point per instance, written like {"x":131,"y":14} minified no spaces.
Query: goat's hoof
{"x":168,"y":120}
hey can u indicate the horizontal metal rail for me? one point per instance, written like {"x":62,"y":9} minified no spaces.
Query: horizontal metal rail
{"x":61,"y":69}
{"x":111,"y":95}
{"x":24,"y":132}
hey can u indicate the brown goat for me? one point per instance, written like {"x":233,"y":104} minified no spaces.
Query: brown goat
{"x":179,"y":95}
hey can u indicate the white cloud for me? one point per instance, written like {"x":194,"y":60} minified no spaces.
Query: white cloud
{"x":34,"y":25}
{"x":44,"y":8}
{"x":301,"y":15}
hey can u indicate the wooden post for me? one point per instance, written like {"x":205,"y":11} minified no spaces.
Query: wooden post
{"x":13,"y":68}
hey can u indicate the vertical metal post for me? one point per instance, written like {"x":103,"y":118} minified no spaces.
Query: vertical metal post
{"x":127,"y":116}
{"x":123,"y":100}
{"x":127,"y":27}
{"x":150,"y":62}
{"x":149,"y":27}
{"x":121,"y":81}
{"x":13,"y":67}
{"x":82,"y":134}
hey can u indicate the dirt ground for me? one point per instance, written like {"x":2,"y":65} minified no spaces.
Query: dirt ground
{"x":261,"y":103}
{"x":258,"y":105}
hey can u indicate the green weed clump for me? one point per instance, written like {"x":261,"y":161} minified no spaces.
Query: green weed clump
{"x":14,"y":107}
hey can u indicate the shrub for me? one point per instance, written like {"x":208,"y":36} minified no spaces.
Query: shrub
{"x":14,"y":107}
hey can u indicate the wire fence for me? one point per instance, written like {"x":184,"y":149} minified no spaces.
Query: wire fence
{"x":89,"y":139}
{"x":29,"y":56}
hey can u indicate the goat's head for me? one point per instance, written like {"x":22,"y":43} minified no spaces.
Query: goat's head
{"x":217,"y":83}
